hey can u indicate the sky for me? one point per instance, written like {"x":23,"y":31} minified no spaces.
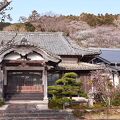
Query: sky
{"x":65,"y":7}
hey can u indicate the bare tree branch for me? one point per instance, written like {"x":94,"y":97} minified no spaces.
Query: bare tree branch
{"x":4,"y":4}
{"x":103,"y":85}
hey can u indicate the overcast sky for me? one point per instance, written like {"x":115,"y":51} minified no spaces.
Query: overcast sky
{"x":66,"y":7}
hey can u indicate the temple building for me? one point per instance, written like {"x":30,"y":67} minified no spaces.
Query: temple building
{"x":30,"y":61}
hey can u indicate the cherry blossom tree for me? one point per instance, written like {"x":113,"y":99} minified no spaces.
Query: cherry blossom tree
{"x":102,"y":85}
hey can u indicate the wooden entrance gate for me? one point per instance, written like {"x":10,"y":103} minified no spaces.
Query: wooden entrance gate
{"x":24,"y":82}
{"x":24,"y":85}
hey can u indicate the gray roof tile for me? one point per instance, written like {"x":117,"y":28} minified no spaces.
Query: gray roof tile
{"x":54,"y":42}
{"x":79,"y":66}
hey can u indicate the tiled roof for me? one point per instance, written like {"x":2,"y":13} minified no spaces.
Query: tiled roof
{"x":53,"y":42}
{"x":110,"y":55}
{"x":79,"y":66}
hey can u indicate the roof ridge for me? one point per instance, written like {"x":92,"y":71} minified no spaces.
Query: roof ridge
{"x":103,"y":48}
{"x":32,"y":32}
{"x":76,"y":46}
{"x":66,"y":41}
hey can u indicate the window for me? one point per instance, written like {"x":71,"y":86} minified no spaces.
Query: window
{"x":52,"y":77}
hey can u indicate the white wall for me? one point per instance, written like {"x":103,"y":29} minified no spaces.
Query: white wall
{"x":70,"y":60}
{"x":115,"y":79}
{"x":34,"y":56}
{"x":12,"y":56}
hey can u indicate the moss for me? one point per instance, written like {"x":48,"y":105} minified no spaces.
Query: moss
{"x":99,"y":106}
{"x":2,"y":103}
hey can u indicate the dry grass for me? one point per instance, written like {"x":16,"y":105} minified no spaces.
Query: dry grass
{"x":101,"y":116}
{"x":106,"y":115}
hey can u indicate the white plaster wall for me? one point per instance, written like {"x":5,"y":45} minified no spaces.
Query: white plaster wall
{"x":31,"y":56}
{"x":34,"y":56}
{"x":12,"y":56}
{"x":69,"y":60}
{"x":115,"y":79}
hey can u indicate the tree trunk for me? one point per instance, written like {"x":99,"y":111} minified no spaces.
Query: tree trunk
{"x":109,"y":101}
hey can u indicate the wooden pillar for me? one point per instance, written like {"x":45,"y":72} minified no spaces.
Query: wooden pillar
{"x":45,"y":85}
{"x":1,"y":84}
{"x":5,"y":77}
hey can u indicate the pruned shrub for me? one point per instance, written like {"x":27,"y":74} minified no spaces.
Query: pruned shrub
{"x":58,"y":103}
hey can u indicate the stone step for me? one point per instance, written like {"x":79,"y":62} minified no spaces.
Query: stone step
{"x":46,"y":116}
{"x":31,"y":112}
{"x":30,"y":118}
{"x":34,"y":114}
{"x":24,"y":96}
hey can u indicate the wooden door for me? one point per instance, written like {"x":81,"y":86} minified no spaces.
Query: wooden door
{"x":24,"y":82}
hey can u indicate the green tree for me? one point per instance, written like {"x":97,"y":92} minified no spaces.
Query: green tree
{"x":29,"y":27}
{"x":3,"y":24}
{"x":67,"y":86}
{"x":34,"y":16}
{"x":98,"y":20}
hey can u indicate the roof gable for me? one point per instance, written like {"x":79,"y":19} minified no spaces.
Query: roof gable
{"x":24,"y":48}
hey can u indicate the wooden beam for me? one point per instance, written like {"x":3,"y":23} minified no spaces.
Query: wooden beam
{"x":25,"y":68}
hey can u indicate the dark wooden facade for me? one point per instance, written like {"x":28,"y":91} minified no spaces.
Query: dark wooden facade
{"x":23,"y":74}
{"x":27,"y":69}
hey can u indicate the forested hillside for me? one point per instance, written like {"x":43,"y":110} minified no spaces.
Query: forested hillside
{"x":88,"y":30}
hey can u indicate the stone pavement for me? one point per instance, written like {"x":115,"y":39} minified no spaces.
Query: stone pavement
{"x":31,"y":112}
